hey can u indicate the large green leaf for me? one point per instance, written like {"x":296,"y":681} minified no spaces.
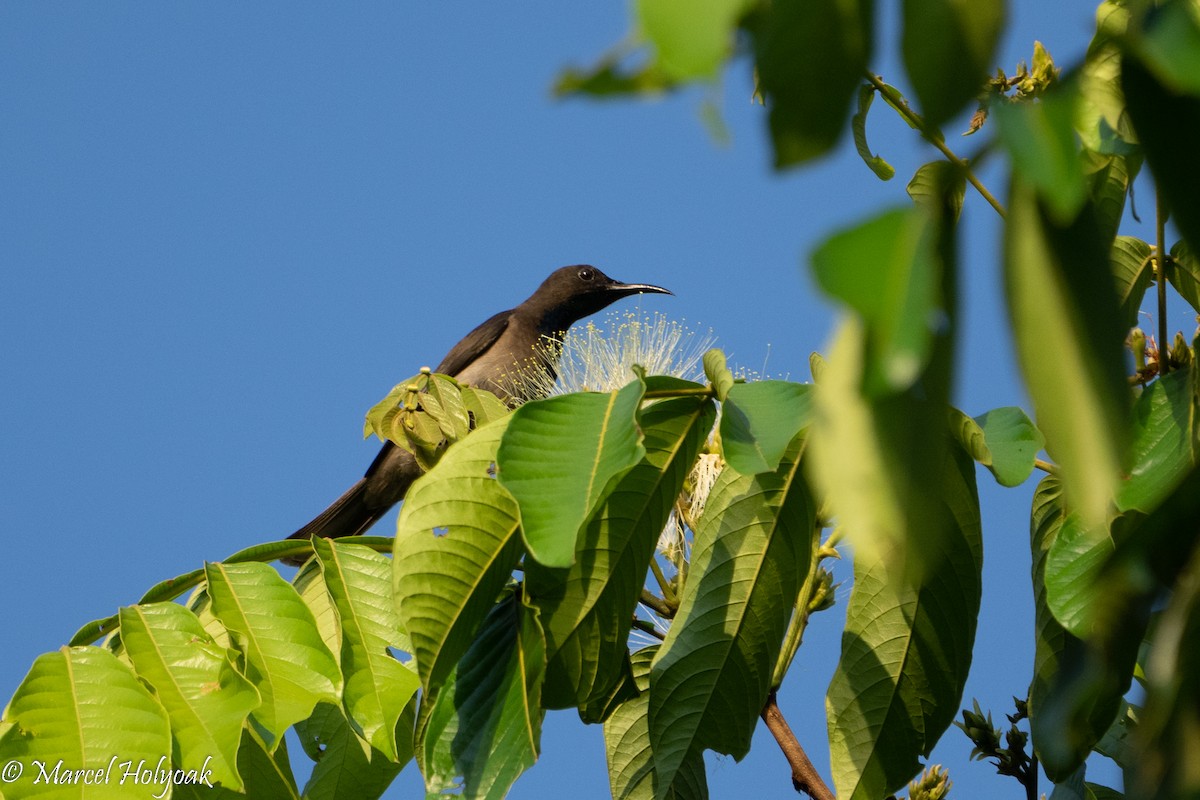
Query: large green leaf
{"x":348,"y":768}
{"x":887,"y":269}
{"x":711,"y":676}
{"x":692,"y":37}
{"x":1133,"y":273}
{"x":276,"y":633}
{"x":906,"y":649}
{"x":205,"y":697}
{"x":810,"y":58}
{"x":1073,"y":565}
{"x":631,"y":774}
{"x":586,"y":610}
{"x":1040,"y":139}
{"x":1185,"y":274}
{"x":483,"y":727}
{"x":83,"y":707}
{"x":1170,"y":148}
{"x":265,"y":774}
{"x":456,"y":546}
{"x":759,"y":419}
{"x":1161,"y":451}
{"x":557,"y":459}
{"x":1004,"y":440}
{"x":378,"y":687}
{"x":1066,"y":320}
{"x":948,"y":48}
{"x":1062,"y":742}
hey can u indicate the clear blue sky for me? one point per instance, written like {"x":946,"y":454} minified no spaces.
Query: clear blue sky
{"x":227,"y":229}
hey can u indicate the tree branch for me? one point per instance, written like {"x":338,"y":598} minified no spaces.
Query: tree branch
{"x":1164,"y":347}
{"x":805,"y":778}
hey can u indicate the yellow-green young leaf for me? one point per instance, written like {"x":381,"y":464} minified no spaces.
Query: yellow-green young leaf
{"x":711,"y":676}
{"x":810,"y":58}
{"x":1004,"y":440}
{"x":1184,"y":274}
{"x":310,"y":585}
{"x":887,"y":270}
{"x":906,"y":649}
{"x":483,"y":406}
{"x":1062,"y":741}
{"x":483,"y":727}
{"x":938,"y":183}
{"x":948,"y":48}
{"x":1065,"y":317}
{"x":586,"y":610}
{"x":456,"y":545}
{"x":443,"y":401}
{"x":627,"y":746}
{"x":348,"y":768}
{"x":378,"y":687}
{"x":858,"y":126}
{"x":83,"y":706}
{"x":1170,"y":149}
{"x":379,"y":418}
{"x":1133,"y":273}
{"x":718,"y":373}
{"x":759,"y":420}
{"x":1040,"y":139}
{"x":557,"y":459}
{"x":285,"y":657}
{"x":206,"y":698}
{"x":692,"y":37}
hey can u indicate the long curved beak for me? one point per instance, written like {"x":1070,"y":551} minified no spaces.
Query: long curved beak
{"x":625,"y":289}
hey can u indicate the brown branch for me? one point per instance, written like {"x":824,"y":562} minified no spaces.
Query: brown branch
{"x":805,"y":777}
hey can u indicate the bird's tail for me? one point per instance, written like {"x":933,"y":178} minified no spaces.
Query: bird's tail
{"x":349,"y":515}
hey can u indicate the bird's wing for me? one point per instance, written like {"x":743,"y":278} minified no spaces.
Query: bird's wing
{"x":474,"y":344}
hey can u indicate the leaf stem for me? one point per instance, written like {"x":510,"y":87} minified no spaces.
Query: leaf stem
{"x":656,"y":604}
{"x":897,"y":101}
{"x":668,"y":594}
{"x":648,"y":627}
{"x":805,"y":778}
{"x":1046,"y":466}
{"x":1164,"y":348}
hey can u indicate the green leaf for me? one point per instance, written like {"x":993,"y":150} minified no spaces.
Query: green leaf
{"x":1133,"y":273}
{"x":711,"y":676}
{"x":631,"y":772}
{"x":1161,"y":452}
{"x":1066,"y":320}
{"x":1184,"y":274}
{"x":485,"y":723}
{"x":83,"y":706}
{"x":609,"y":78}
{"x":692,"y":38}
{"x":858,"y":125}
{"x":348,"y":768}
{"x":1074,"y":563}
{"x":1170,"y":149}
{"x":1004,"y":440}
{"x":557,"y":458}
{"x":276,"y":633}
{"x":1061,"y":741}
{"x":948,"y":50}
{"x":810,"y":58}
{"x":206,"y":699}
{"x":1109,"y":180}
{"x":759,"y":420}
{"x":1041,"y":141}
{"x":310,"y":585}
{"x":936,"y":183}
{"x":378,"y":688}
{"x":887,"y":270}
{"x":456,"y":546}
{"x":1170,"y":45}
{"x":717,"y":373}
{"x":586,"y":610}
{"x":906,"y":649}
{"x":265,"y":774}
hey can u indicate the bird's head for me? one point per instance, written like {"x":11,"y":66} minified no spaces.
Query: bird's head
{"x":572,"y":293}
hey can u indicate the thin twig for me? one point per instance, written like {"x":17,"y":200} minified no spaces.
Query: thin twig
{"x":1046,"y":466}
{"x":655,"y":603}
{"x":668,"y":593}
{"x":648,"y":627}
{"x":1164,"y":348}
{"x":805,"y":778}
{"x":917,"y":122}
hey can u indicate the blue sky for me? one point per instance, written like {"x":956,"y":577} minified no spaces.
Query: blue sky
{"x":227,"y":230}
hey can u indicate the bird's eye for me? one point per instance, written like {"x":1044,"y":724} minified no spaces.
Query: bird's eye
{"x":587,"y":274}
